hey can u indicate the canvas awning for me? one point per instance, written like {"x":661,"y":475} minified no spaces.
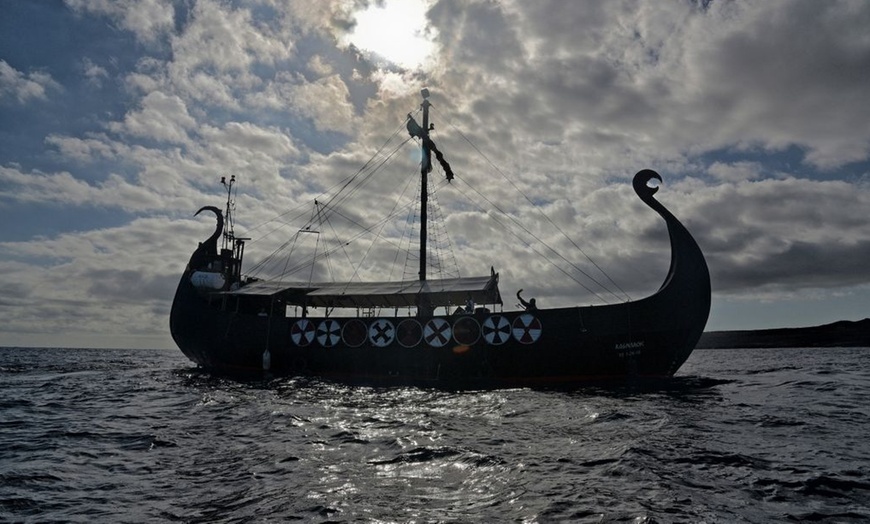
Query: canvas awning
{"x":441,"y":292}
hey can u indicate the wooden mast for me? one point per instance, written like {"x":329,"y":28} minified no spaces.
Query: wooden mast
{"x":425,"y":168}
{"x":424,"y":307}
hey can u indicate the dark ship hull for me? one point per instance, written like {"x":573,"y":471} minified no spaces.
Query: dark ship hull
{"x":238,"y":333}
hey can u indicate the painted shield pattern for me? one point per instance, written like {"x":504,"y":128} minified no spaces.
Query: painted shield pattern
{"x":437,"y":332}
{"x":302,"y":332}
{"x":527,"y":329}
{"x":328,"y":333}
{"x":496,"y":330}
{"x":382,"y":332}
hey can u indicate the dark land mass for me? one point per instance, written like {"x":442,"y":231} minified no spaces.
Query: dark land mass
{"x":844,"y":333}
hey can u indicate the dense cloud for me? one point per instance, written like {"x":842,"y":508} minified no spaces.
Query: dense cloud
{"x":21,"y":88}
{"x":753,"y":111}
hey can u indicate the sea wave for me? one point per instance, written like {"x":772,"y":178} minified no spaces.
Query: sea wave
{"x":134,"y":436}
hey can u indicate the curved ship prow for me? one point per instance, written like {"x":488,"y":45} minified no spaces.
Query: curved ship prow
{"x":683,"y":301}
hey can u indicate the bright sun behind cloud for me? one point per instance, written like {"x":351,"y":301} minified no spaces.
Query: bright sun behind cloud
{"x":395,"y":31}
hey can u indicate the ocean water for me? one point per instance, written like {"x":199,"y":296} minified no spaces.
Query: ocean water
{"x":141,"y":436}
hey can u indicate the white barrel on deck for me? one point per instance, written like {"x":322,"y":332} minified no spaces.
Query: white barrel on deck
{"x":207,"y":280}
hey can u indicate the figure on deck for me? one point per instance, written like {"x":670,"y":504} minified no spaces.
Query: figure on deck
{"x":528,"y":306}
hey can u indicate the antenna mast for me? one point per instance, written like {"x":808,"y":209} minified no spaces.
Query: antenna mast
{"x":229,"y":233}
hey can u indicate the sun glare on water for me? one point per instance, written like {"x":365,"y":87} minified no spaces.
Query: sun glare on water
{"x":394,"y":31}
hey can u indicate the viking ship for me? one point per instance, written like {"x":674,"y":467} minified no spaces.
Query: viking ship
{"x":447,"y":332}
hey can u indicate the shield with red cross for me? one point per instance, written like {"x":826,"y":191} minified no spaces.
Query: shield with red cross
{"x":527,"y":329}
{"x":302,"y":332}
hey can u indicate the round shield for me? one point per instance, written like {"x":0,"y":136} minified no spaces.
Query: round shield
{"x":381,"y":332}
{"x":354,"y":333}
{"x":409,"y":333}
{"x":466,"y":331}
{"x":328,"y":333}
{"x":496,"y":330}
{"x":437,"y":332}
{"x":527,"y":329}
{"x":302,"y":332}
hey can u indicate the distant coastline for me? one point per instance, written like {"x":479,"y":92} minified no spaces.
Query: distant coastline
{"x":844,"y":333}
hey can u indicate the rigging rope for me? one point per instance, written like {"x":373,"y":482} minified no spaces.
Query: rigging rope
{"x":340,"y":196}
{"x":350,"y":185}
{"x":549,"y":220}
{"x":348,"y":188}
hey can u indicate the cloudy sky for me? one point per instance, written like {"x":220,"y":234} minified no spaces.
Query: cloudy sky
{"x":117,"y":119}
